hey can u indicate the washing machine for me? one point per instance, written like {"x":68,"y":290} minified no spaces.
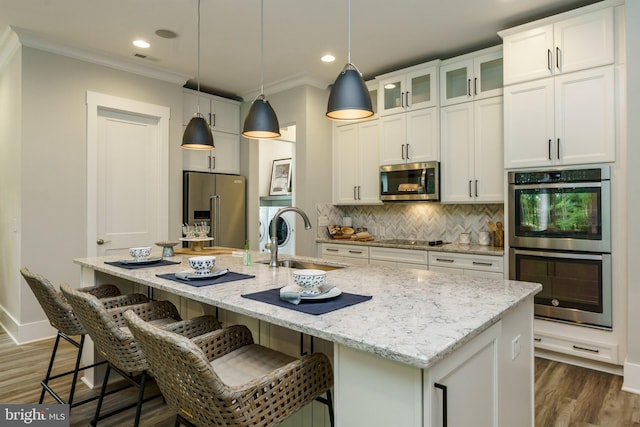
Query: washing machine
{"x":264,"y":228}
{"x":284,"y":230}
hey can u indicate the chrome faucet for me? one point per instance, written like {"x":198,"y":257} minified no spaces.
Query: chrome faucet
{"x":273,"y":231}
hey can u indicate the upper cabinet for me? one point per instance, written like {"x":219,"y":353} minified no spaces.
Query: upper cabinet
{"x":573,"y":44}
{"x":223,"y":116}
{"x":410,"y":89}
{"x":410,"y":137}
{"x":470,"y":77}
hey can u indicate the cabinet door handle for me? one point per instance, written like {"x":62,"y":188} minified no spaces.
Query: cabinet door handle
{"x":355,"y":196}
{"x":445,"y":260}
{"x":359,"y":193}
{"x":355,"y":252}
{"x":209,"y":158}
{"x":558,"y":58}
{"x":331,"y":250}
{"x":402,"y":99}
{"x":407,"y":99}
{"x":475,"y":85}
{"x":476,"y":188}
{"x":485,"y":264}
{"x":549,"y":149}
{"x":592,"y":350}
{"x":210,"y":120}
{"x":470,"y":195}
{"x":558,"y":149}
{"x":549,"y":59}
{"x":444,"y":402}
{"x":212,"y":162}
{"x":408,"y":151}
{"x":469,"y":87}
{"x":402,"y":151}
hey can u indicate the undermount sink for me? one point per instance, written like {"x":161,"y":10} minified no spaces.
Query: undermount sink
{"x":293,"y":263}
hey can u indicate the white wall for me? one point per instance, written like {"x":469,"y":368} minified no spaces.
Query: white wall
{"x":52,"y":169}
{"x":270,"y":150}
{"x":632,"y":365}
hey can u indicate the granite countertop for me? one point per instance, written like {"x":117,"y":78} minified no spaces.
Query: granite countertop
{"x":415,"y":317}
{"x":423,"y":245}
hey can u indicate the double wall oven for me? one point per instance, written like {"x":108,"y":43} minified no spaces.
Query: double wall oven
{"x":560,"y":236}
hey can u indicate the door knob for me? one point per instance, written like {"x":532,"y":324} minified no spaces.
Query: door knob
{"x":102,"y":242}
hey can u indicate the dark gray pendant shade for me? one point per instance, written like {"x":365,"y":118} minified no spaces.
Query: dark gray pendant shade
{"x":349,"y":98}
{"x":261,"y":121}
{"x":197,"y":135}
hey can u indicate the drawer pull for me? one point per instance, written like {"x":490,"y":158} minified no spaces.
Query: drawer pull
{"x":537,"y":339}
{"x":355,"y":252}
{"x":445,"y":260}
{"x":331,"y":250}
{"x":487,"y":264}
{"x":592,"y":350}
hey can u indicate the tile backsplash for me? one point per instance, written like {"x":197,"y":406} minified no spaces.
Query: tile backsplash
{"x":416,"y":221}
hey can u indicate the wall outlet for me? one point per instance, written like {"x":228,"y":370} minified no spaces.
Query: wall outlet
{"x":515,"y":347}
{"x":323,"y":221}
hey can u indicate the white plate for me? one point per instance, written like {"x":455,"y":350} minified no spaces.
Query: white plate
{"x":190,"y":275}
{"x":141,"y":261}
{"x":331,"y":293}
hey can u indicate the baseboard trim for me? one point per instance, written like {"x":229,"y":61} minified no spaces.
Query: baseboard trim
{"x":631,"y":381}
{"x":28,"y":332}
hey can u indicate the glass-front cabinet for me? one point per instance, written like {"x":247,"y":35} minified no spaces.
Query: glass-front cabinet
{"x":471,"y":77}
{"x":411,"y":89}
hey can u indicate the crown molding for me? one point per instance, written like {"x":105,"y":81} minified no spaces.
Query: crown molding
{"x":286,"y":84}
{"x":38,"y":41}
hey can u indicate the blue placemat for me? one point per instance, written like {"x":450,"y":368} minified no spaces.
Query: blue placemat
{"x":130,"y":266}
{"x":229,"y":277}
{"x":272,"y":296}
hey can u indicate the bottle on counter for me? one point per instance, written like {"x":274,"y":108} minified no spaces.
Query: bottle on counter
{"x":246,"y":258}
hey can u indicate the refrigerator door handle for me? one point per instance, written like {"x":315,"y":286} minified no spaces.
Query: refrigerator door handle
{"x":214,"y":206}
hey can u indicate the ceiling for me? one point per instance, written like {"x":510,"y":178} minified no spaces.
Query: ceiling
{"x":385,"y":35}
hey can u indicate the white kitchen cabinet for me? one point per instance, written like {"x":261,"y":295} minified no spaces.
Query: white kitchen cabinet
{"x":474,"y":265}
{"x":563,"y":120}
{"x":404,"y":258}
{"x":350,"y":254}
{"x":355,"y":160}
{"x":408,"y":89}
{"x":222,"y":114}
{"x":472,"y":152}
{"x":410,"y":137}
{"x":469,"y":380}
{"x":573,"y":44}
{"x":224,"y":158}
{"x":470,"y":77}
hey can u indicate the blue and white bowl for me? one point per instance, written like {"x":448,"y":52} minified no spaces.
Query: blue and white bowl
{"x":140,"y":253}
{"x":202,"y":264}
{"x":309,"y":280}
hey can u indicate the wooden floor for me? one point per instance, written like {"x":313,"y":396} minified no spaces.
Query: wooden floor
{"x":565,"y":395}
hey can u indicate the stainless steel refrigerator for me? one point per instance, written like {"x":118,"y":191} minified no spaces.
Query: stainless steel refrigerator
{"x":218,"y":200}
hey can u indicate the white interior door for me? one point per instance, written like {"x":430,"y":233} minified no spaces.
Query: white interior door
{"x":127,"y":177}
{"x":127,"y":180}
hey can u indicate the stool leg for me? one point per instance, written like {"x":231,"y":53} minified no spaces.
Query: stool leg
{"x":143,"y":381}
{"x":45,"y":382}
{"x":94,"y":422}
{"x":330,"y":407}
{"x":76,"y":370}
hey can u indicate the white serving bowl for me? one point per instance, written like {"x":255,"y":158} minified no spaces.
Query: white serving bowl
{"x":140,"y":253}
{"x":309,"y":280}
{"x":202,"y":264}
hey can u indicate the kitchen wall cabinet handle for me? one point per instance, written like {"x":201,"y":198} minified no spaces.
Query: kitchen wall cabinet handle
{"x":402,"y":151}
{"x":469,"y":87}
{"x":549,"y":59}
{"x":210,"y":120}
{"x":402,"y":99}
{"x":476,"y":188}
{"x":475,"y":85}
{"x":355,"y":196}
{"x":359,"y":193}
{"x":558,"y":58}
{"x":470,"y":195}
{"x":212,"y":162}
{"x":408,"y":152}
{"x":558,"y":149}
{"x":444,"y":402}
{"x":549,"y":149}
{"x":592,"y":350}
{"x":445,"y":260}
{"x":407,"y":99}
{"x":213,"y":123}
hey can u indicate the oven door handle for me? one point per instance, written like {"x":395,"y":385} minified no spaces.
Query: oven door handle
{"x":558,"y":185}
{"x":564,"y":255}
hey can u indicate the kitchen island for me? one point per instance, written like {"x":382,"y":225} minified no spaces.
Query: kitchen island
{"x":421,"y":336}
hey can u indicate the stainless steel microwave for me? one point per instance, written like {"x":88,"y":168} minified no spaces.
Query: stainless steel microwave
{"x":410,"y":182}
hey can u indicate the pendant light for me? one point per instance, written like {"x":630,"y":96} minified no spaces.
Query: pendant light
{"x":261,"y":121}
{"x":349,"y":98}
{"x":197,"y":135}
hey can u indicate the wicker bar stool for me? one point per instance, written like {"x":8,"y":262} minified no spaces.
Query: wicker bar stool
{"x":62,"y":317}
{"x":223,"y":378}
{"x":116,"y":344}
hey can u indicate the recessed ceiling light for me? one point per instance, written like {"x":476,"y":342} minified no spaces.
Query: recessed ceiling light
{"x":166,"y":34}
{"x":141,"y":43}
{"x":328,"y":58}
